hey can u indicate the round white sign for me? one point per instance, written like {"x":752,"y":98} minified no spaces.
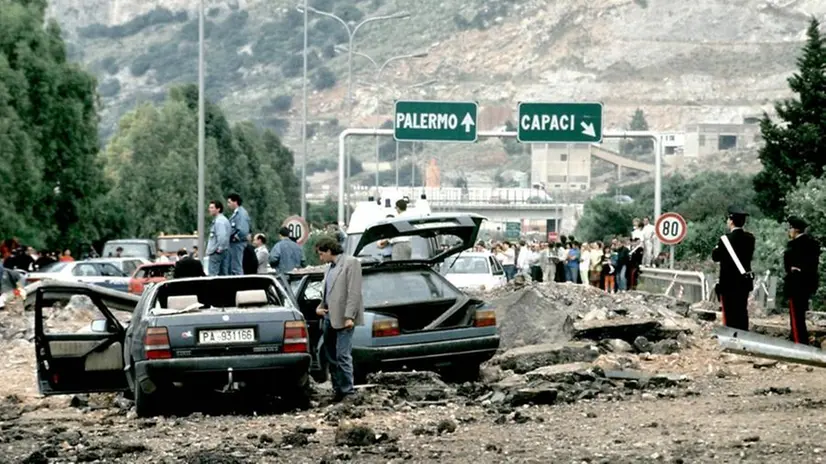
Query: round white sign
{"x":298,"y":227}
{"x":671,"y":228}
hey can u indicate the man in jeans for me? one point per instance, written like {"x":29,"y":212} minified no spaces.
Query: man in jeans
{"x":218,"y":244}
{"x":342,"y":308}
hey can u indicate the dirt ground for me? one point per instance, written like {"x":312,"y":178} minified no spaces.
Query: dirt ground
{"x":730,"y":409}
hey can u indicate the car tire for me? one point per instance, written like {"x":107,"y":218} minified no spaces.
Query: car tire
{"x":148,"y":405}
{"x":299,"y":396}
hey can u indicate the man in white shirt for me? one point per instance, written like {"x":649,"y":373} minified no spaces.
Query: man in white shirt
{"x":524,"y":258}
{"x":262,"y":254}
{"x":648,"y":237}
{"x":401,"y":245}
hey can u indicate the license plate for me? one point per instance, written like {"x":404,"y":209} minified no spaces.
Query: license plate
{"x":224,"y":336}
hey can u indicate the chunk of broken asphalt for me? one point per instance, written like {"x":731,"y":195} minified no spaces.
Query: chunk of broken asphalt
{"x":354,"y":435}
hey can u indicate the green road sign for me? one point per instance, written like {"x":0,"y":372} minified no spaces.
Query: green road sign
{"x":513,"y":230}
{"x":559,"y":122}
{"x":435,"y":121}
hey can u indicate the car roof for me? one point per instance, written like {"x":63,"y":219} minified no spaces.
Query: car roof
{"x":131,"y":240}
{"x":160,"y":264}
{"x":370,"y":212}
{"x":109,"y":260}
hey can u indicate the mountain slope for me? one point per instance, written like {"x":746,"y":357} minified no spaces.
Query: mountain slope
{"x":682,"y":62}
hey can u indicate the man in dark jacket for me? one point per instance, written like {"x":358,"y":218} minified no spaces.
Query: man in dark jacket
{"x":800,"y":261}
{"x":187,"y":266}
{"x":733,"y":286}
{"x":250,"y":260}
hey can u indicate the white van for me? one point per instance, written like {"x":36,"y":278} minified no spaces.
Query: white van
{"x":374,"y":210}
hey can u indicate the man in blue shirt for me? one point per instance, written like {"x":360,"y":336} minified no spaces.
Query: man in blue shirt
{"x":240,"y":223}
{"x":218,"y":245}
{"x":286,"y":255}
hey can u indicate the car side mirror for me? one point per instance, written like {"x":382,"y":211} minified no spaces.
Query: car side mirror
{"x":100,"y":326}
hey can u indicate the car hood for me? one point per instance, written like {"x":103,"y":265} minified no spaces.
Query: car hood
{"x":465,"y":226}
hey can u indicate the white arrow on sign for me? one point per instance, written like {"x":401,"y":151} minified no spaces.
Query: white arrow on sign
{"x":467,"y":122}
{"x":588,"y":129}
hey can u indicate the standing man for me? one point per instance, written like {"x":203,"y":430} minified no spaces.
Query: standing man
{"x":250,"y":258}
{"x":187,"y":266}
{"x":240,"y":223}
{"x":648,"y":237}
{"x":342,"y":308}
{"x":800,"y":260}
{"x":734,"y":252}
{"x":401,"y":245}
{"x":262,"y":254}
{"x":218,"y":245}
{"x":286,"y":255}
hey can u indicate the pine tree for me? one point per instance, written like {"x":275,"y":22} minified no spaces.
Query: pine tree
{"x":638,"y":146}
{"x":795,"y":149}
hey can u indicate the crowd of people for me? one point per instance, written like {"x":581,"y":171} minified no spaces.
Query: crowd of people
{"x":612,"y":266}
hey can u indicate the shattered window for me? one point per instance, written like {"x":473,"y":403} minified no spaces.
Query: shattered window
{"x":397,"y":288}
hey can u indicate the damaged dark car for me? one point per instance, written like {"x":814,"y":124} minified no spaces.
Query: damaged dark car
{"x":414,"y":317}
{"x":184,"y":335}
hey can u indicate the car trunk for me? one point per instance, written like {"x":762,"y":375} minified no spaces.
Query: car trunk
{"x":225,"y":332}
{"x":424,"y":316}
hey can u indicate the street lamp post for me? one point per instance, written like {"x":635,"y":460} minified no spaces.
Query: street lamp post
{"x":379,"y":71}
{"x":351,"y":32}
{"x":201,"y":134}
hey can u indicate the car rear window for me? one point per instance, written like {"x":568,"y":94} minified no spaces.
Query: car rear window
{"x":422,"y":248}
{"x":130,"y":250}
{"x":398,"y":288}
{"x":467,"y":265}
{"x":54,"y":267}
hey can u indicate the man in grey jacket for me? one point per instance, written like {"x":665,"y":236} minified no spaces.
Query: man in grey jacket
{"x":218,"y":244}
{"x":342,"y":308}
{"x":239,"y":234}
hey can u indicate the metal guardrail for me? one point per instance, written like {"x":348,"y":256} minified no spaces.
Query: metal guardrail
{"x":692,"y":286}
{"x":689,"y":286}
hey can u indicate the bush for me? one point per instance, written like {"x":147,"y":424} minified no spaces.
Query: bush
{"x":278,"y":125}
{"x":141,"y":65}
{"x":293,"y":20}
{"x":109,"y":88}
{"x":310,"y":254}
{"x":155,"y":17}
{"x":324,"y":79}
{"x":281,"y":103}
{"x":349,"y":13}
{"x":110,"y":65}
{"x":328,"y":51}
{"x":213,"y":12}
{"x":293,"y":66}
{"x":323,"y":5}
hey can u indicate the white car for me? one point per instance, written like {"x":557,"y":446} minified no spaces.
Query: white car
{"x":127,"y":265}
{"x":474,"y":271}
{"x":97,"y":272}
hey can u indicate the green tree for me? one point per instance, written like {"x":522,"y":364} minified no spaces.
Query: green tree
{"x":795,"y":149}
{"x":638,"y":146}
{"x":50,"y":180}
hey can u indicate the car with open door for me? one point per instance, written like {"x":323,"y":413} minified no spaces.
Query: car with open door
{"x":414,"y":317}
{"x":185,"y":336}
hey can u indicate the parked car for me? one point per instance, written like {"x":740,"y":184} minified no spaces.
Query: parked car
{"x":132,"y":248}
{"x":150,"y":273}
{"x":127,"y":265}
{"x":226,"y":333}
{"x":414,"y":317}
{"x":477,"y":271}
{"x":100,"y":273}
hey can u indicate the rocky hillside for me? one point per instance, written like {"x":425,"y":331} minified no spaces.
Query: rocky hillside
{"x":682,"y":62}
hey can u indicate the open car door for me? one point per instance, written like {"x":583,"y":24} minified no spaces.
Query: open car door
{"x":306,"y":288}
{"x":464,"y":227}
{"x":79,"y":361}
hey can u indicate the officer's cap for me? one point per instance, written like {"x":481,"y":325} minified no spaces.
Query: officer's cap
{"x":736,"y":211}
{"x":797,"y":223}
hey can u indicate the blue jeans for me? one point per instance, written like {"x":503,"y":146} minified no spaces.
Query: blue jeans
{"x":622,"y":281}
{"x":218,"y":264}
{"x":510,"y":271}
{"x":571,"y":273}
{"x":338,"y":350}
{"x":236,"y":256}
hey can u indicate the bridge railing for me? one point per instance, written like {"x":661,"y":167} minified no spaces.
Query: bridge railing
{"x":689,"y":286}
{"x":692,"y":286}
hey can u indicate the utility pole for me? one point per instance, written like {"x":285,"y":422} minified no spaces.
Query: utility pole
{"x":201,"y":135}
{"x":304,"y":124}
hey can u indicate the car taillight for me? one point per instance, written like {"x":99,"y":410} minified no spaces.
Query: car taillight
{"x":156,"y":343}
{"x":295,"y":337}
{"x":386,"y":328}
{"x":484,"y":318}
{"x":135,"y":287}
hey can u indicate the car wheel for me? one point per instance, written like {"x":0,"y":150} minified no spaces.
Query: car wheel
{"x":299,"y":396}
{"x":148,"y":405}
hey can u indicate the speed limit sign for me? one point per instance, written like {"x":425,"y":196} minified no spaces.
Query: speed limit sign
{"x":299,"y":230}
{"x":671,"y":228}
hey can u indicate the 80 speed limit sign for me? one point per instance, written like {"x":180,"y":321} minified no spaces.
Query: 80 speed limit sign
{"x":299,"y":230}
{"x":671,"y":228}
